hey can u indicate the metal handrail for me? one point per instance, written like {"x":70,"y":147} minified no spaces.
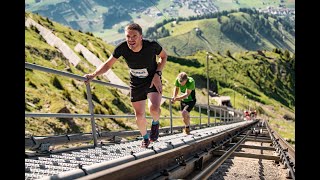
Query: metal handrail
{"x":68,"y":115}
{"x":93,"y":116}
{"x":73,"y":76}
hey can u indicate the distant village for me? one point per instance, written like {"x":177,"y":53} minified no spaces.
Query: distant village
{"x":199,"y":7}
{"x":280,"y":11}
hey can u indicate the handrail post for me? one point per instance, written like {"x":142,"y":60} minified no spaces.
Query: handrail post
{"x":208,"y":113}
{"x":208,"y":100}
{"x":93,"y":124}
{"x":224,"y":117}
{"x":200,"y":116}
{"x":220,"y":116}
{"x":170,"y":109}
{"x":215,"y":117}
{"x":228,"y":116}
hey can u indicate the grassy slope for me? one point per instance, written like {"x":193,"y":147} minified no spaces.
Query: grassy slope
{"x":42,"y":96}
{"x":183,"y":40}
{"x":52,"y":97}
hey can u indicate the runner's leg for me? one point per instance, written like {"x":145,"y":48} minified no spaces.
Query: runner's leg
{"x":154,"y":108}
{"x":154,"y":100}
{"x":139,"y":110}
{"x":186,"y":117}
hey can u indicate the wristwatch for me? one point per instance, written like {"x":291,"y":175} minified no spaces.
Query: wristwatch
{"x":159,"y":73}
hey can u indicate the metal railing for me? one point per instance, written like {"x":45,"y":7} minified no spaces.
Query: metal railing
{"x":229,"y":115}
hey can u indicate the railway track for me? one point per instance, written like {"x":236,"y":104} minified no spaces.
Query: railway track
{"x":176,"y":156}
{"x":258,"y":156}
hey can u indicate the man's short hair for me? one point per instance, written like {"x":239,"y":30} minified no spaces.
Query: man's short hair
{"x":134,"y":26}
{"x":182,"y":77}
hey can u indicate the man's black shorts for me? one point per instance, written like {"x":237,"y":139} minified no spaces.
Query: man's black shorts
{"x":190,"y":104}
{"x":140,"y":93}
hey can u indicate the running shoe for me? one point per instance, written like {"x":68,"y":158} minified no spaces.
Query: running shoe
{"x":145,"y":143}
{"x":186,"y":130}
{"x":154,"y":134}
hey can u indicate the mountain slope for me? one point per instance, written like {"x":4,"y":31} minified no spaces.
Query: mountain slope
{"x":237,"y":31}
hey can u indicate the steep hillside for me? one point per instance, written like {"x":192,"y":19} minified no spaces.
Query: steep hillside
{"x":50,"y":93}
{"x":236,"y":32}
{"x":264,"y":81}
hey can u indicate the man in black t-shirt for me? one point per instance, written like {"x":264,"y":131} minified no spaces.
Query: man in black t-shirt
{"x":145,"y":77}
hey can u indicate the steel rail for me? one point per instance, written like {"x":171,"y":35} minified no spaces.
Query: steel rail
{"x":206,"y":173}
{"x":283,"y":143}
{"x":191,"y":165}
{"x":283,"y":148}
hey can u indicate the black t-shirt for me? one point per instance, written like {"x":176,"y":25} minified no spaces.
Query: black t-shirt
{"x":142,"y":64}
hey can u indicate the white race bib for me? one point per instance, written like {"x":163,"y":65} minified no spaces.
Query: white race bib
{"x":140,"y":73}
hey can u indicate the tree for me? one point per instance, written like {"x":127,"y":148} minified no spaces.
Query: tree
{"x":286,"y":54}
{"x":228,"y":53}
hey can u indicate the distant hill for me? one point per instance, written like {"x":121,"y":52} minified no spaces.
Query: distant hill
{"x":263,"y":80}
{"x":234,"y":31}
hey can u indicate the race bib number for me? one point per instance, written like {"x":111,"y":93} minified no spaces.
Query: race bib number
{"x":140,"y":73}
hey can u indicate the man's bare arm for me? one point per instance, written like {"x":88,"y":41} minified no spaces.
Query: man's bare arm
{"x":162,"y":60}
{"x":185,"y":95}
{"x":175,"y":93}
{"x":101,"y":69}
{"x":156,"y":81}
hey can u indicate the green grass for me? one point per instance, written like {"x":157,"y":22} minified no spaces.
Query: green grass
{"x":286,"y":129}
{"x":163,"y":4}
{"x":109,"y":35}
{"x":182,"y":27}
